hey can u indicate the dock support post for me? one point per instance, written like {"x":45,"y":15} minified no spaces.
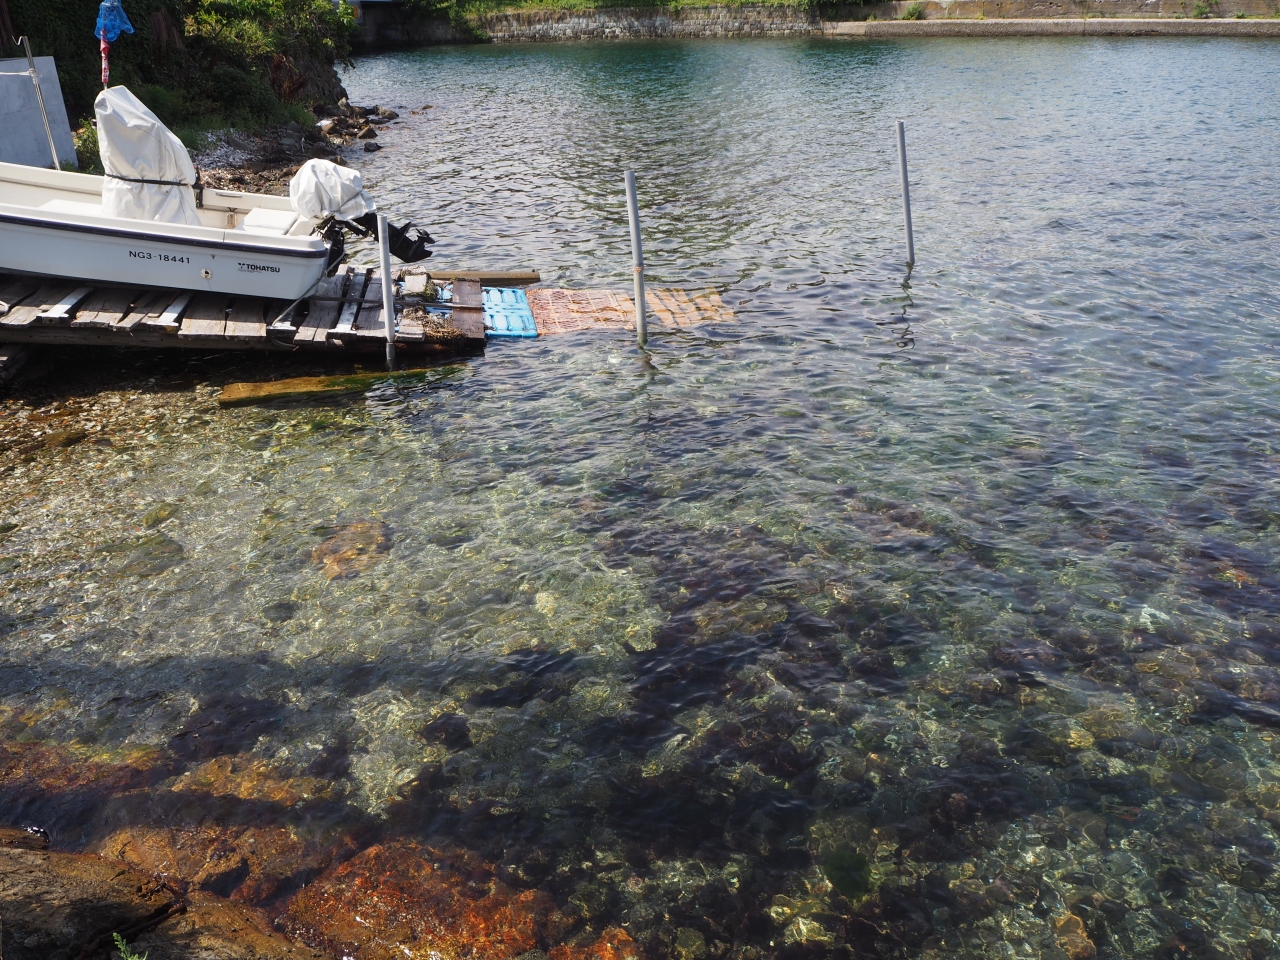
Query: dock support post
{"x":637,"y":258}
{"x":44,"y":114}
{"x":388,"y":289}
{"x":906,"y":193}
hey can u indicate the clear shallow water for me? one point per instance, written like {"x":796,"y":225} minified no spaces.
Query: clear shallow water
{"x":972,"y":575}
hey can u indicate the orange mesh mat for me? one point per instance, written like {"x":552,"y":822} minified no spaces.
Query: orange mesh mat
{"x":563,"y":311}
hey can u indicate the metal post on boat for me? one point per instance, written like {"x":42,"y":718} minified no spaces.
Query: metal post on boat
{"x":906,"y":192}
{"x":388,"y":290}
{"x":35,"y":79}
{"x":637,"y":258}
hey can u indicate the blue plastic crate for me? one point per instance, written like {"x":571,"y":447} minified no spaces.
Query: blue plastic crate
{"x":507,"y":313}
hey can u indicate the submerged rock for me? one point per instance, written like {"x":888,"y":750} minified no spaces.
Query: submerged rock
{"x":404,"y":899}
{"x":353,"y":549}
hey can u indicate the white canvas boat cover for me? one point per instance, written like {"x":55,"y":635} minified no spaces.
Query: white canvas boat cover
{"x":149,"y":172}
{"x":321,"y":189}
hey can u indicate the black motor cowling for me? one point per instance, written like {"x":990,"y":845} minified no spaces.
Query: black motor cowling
{"x":408,"y":244}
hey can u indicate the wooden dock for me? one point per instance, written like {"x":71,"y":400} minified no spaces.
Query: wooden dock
{"x":343,"y":316}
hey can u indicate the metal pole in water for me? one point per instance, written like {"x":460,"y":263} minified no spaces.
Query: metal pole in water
{"x":388,"y":289}
{"x":637,"y":258}
{"x":35,"y":79}
{"x":906,"y":193}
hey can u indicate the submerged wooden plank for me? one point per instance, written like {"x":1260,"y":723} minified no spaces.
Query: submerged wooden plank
{"x":46,"y":298}
{"x":246,"y":321}
{"x":324,"y":313}
{"x":105,"y":308}
{"x":206,"y":317}
{"x":243,"y":394}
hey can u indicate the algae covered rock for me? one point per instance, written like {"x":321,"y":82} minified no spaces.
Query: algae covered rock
{"x":849,"y":872}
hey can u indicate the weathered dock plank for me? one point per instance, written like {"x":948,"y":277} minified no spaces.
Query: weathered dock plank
{"x":369,"y":324}
{"x":12,"y":294}
{"x":170,"y":318}
{"x":62,"y":311}
{"x":247,"y":320}
{"x":206,"y":318}
{"x":105,"y":307}
{"x":468,"y":308}
{"x":48,"y":296}
{"x":351,"y":308}
{"x":324,"y":312}
{"x":148,"y":306}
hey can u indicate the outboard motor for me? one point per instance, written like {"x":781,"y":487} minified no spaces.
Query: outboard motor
{"x":408,"y":243}
{"x":335,"y":196}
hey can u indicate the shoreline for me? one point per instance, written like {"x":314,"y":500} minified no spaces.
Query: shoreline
{"x":928,"y":18}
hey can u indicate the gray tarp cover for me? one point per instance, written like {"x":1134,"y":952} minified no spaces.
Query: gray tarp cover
{"x":134,"y":144}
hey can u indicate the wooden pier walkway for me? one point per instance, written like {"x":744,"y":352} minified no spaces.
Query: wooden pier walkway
{"x":343,"y":317}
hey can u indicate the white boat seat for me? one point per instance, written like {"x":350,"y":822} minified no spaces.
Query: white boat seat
{"x":268,"y":223}
{"x":73,"y":206}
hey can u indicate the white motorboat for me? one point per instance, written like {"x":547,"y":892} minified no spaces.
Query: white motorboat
{"x":149,"y":223}
{"x":53,"y":223}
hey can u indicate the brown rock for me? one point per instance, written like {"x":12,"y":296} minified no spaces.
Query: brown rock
{"x":65,"y":438}
{"x":353,"y":549}
{"x":613,"y":944}
{"x":403,"y":899}
{"x":23,"y":839}
{"x":253,"y":864}
{"x":367,"y":132}
{"x":55,"y":905}
{"x":214,"y":929}
{"x":1073,"y":937}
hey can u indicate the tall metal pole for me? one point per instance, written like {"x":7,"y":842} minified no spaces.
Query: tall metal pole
{"x":35,"y":79}
{"x":906,"y":193}
{"x":388,"y":290}
{"x":637,"y":258}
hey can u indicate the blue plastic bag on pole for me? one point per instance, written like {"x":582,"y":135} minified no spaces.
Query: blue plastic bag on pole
{"x":112,"y":21}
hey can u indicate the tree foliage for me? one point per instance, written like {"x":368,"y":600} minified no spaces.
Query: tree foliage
{"x":205,"y":62}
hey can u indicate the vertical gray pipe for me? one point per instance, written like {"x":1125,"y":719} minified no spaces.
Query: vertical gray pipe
{"x":388,"y":290}
{"x":35,"y":78}
{"x":906,"y":193}
{"x":637,"y":258}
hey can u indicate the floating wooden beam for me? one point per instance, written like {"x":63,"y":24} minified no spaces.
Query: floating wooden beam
{"x":490,"y":278}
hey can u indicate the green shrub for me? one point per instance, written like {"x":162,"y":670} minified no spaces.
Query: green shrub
{"x":86,"y":141}
{"x":915,"y":11}
{"x":206,"y":61}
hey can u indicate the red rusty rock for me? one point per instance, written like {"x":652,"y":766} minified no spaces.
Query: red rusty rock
{"x":404,"y":899}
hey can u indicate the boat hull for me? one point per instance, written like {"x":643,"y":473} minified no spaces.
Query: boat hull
{"x":107,"y":252}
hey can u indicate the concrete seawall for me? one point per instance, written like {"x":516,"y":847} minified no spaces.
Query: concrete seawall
{"x":1054,"y":28}
{"x":939,"y":18}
